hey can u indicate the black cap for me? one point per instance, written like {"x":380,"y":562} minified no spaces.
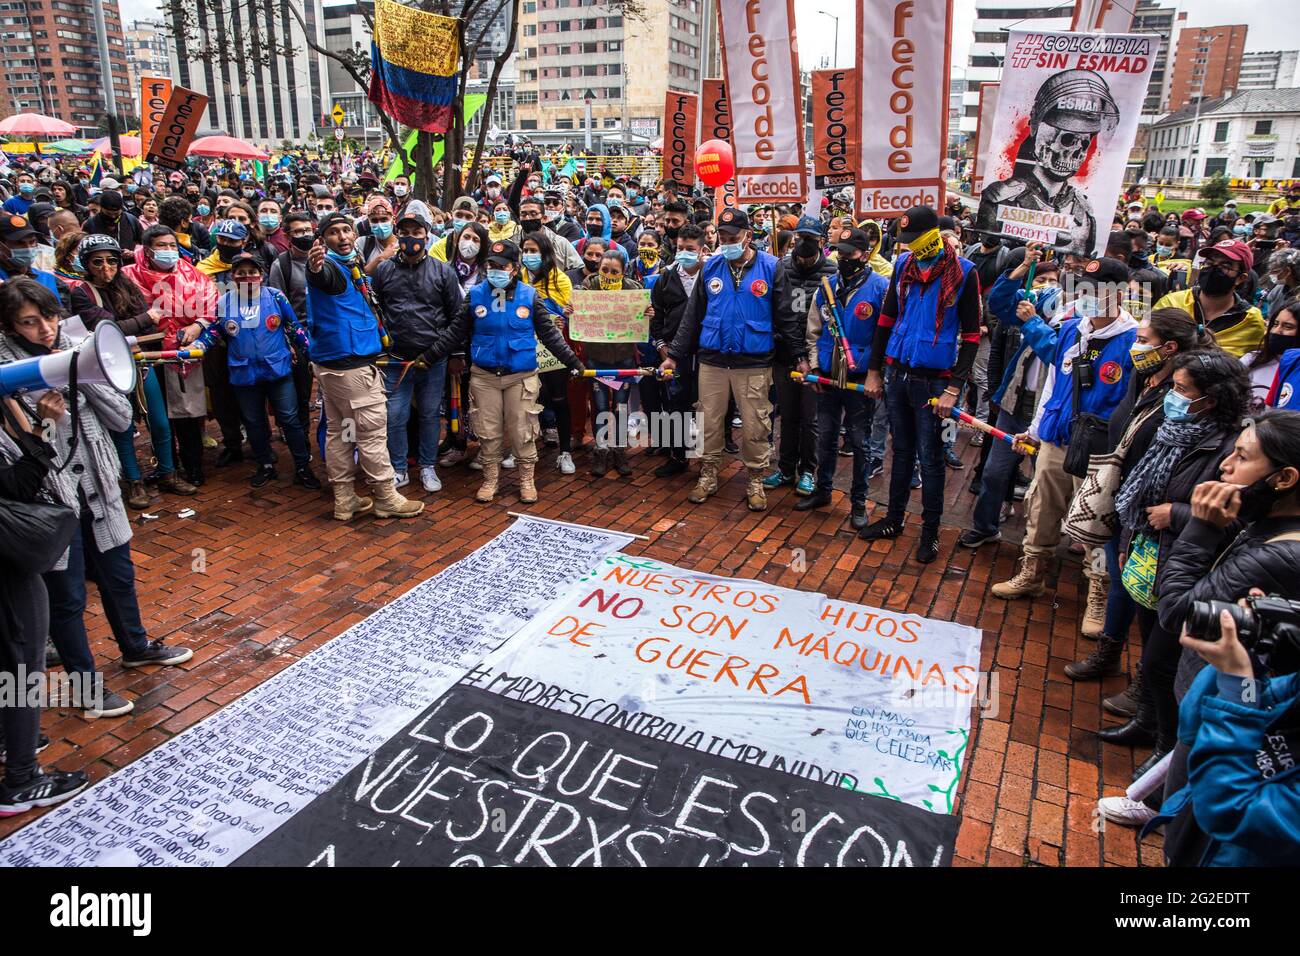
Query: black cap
{"x":1105,"y":270}
{"x":110,"y":200}
{"x":243,"y":257}
{"x":732,"y":218}
{"x":917,"y":221}
{"x":415,"y":218}
{"x":851,"y":240}
{"x":947,"y":222}
{"x":332,"y":219}
{"x":503,"y":252}
{"x":15,"y":228}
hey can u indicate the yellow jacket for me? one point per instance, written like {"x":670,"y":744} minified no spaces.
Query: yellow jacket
{"x":212,"y":265}
{"x":1245,"y":334}
{"x":558,"y":287}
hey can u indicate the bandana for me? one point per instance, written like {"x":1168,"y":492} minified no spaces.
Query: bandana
{"x":947,"y":270}
{"x":927,"y":245}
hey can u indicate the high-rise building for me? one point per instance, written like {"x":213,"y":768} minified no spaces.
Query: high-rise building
{"x":1268,"y":70}
{"x":146,"y":54}
{"x":266,"y":104}
{"x":1150,"y":17}
{"x":1207,"y":63}
{"x":575,"y":51}
{"x":51,"y":60}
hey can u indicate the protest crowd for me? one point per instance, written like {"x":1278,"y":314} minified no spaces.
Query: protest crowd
{"x":1138,"y":403}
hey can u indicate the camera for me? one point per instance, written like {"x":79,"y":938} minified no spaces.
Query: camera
{"x":1269,"y":627}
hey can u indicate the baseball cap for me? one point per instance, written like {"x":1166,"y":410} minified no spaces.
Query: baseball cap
{"x":917,"y":221}
{"x":1233,"y":249}
{"x":108,"y":182}
{"x":947,"y":222}
{"x":417,"y":212}
{"x":109,"y":199}
{"x":1105,"y":270}
{"x":1230,"y":202}
{"x":808,"y":226}
{"x":230,"y":229}
{"x":15,"y":228}
{"x":493,"y":179}
{"x":333,"y":219}
{"x":853,"y":240}
{"x":243,"y":257}
{"x":464,"y":202}
{"x":503,"y":252}
{"x":733,"y":219}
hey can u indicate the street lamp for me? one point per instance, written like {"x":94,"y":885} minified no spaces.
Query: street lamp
{"x":836,"y":57}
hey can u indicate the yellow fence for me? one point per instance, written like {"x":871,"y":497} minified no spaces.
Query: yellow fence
{"x":645,"y":168}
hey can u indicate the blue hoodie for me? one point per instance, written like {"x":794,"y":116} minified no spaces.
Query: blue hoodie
{"x":604,"y":232}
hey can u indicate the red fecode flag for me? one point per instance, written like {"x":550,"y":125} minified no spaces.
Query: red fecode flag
{"x":715,"y":117}
{"x":154,"y":93}
{"x":176,"y":129}
{"x":1101,"y":16}
{"x":903,"y":60}
{"x":988,"y":108}
{"x":835,"y":127}
{"x":681,"y":127}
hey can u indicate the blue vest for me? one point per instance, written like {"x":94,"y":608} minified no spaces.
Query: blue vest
{"x":341,"y":326}
{"x":504,"y":339}
{"x":1287,"y":383}
{"x":46,"y":279}
{"x":860,"y":315}
{"x":738,"y":321}
{"x":1111,"y":367}
{"x":256,"y":347}
{"x":915,"y":342}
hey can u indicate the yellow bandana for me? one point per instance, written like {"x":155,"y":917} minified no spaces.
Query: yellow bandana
{"x":927,"y":245}
{"x":611,"y":285}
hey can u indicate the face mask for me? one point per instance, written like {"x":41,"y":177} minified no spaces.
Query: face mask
{"x":1178,"y":407}
{"x":381,"y":230}
{"x":1278,"y":343}
{"x":1087,"y":306}
{"x":532,"y":261}
{"x":203,"y":209}
{"x":552,"y":215}
{"x":1164,"y":252}
{"x":688,"y":260}
{"x":22,"y":257}
{"x":76,"y":264}
{"x":648,"y":256}
{"x":459,"y":224}
{"x":493,"y":192}
{"x":303,"y":243}
{"x":249,"y":193}
{"x":849,"y":267}
{"x":595,"y":231}
{"x":410,"y":245}
{"x":501,"y":217}
{"x":731,"y":251}
{"x":1146,"y":358}
{"x":530,"y":225}
{"x":498,"y":278}
{"x":1241,"y":230}
{"x":341,"y":258}
{"x":670,"y":234}
{"x":165,"y":259}
{"x":468,"y":248}
{"x":610,"y":285}
{"x":269,"y":223}
{"x":26,"y":188}
{"x":591,"y":266}
{"x":132,"y":188}
{"x":399,"y":191}
{"x":534,"y":185}
{"x":1258,"y":498}
{"x":631,"y":194}
{"x":927,"y":247}
{"x":227,"y":253}
{"x":1216,"y":282}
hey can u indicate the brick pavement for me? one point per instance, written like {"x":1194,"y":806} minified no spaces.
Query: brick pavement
{"x":276,"y":578}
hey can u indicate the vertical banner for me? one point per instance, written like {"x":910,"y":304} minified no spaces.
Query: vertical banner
{"x":835,"y":127}
{"x":1067,"y":115}
{"x":154,"y":93}
{"x":724,"y":197}
{"x":760,"y":58}
{"x":681,"y":125}
{"x":1101,"y":16}
{"x":987,"y":109}
{"x":903,"y":60}
{"x":176,"y":129}
{"x":715,"y":117}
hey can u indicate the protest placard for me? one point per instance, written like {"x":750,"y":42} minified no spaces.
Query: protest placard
{"x":613,"y":316}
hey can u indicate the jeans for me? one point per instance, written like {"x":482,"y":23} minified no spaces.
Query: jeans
{"x":611,"y":410}
{"x":683,"y":392}
{"x":879,"y":431}
{"x":114,"y":574}
{"x":283,"y":398}
{"x":22,"y":647}
{"x":834,"y":404}
{"x":999,"y":471}
{"x":221,"y":396}
{"x":555,"y":395}
{"x":918,"y":433}
{"x":799,"y":409}
{"x":160,"y":431}
{"x":1120,"y":607}
{"x":426,"y":386}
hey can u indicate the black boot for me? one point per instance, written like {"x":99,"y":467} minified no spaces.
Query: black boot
{"x":1165,"y":705}
{"x":818,"y":499}
{"x":599,"y":462}
{"x":1102,"y":662}
{"x":1124,"y":704}
{"x":1157,"y":755}
{"x":673,"y":466}
{"x":1140,"y":731}
{"x":618,"y":459}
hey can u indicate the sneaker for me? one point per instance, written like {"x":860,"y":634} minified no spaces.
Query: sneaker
{"x":673,"y":466}
{"x":508,"y":462}
{"x":846,"y":450}
{"x":777,"y":479}
{"x":41,"y":743}
{"x":805,"y":484}
{"x":43,"y":790}
{"x":881,"y":528}
{"x":263,"y":474}
{"x":476,"y":465}
{"x":875,"y":468}
{"x":1125,"y":812}
{"x":305,"y":477}
{"x":209,"y":441}
{"x":731,"y":448}
{"x":156,"y":652}
{"x":52,"y":658}
{"x":973,"y":538}
{"x":916,"y":480}
{"x":858,"y":517}
{"x":565,"y":463}
{"x":109,"y":705}
{"x":977,"y":440}
{"x":453,"y":456}
{"x":551,"y":436}
{"x":736,"y":422}
{"x":401,"y":479}
{"x":952,"y":461}
{"x":928,"y":548}
{"x":429,"y":479}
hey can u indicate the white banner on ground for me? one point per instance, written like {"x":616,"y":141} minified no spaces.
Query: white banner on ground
{"x":206,"y":796}
{"x":761,"y":60}
{"x":851,"y":696}
{"x":904,"y":48}
{"x":1067,"y":113}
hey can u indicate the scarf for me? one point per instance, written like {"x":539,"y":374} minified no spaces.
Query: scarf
{"x":947,"y":270}
{"x":1148,"y":482}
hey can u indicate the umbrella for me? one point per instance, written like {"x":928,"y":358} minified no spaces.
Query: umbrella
{"x":226,"y":146}
{"x":34,"y":124}
{"x":68,"y":146}
{"x":130,"y":146}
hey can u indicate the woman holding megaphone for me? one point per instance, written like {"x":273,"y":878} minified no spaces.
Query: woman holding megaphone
{"x":85,"y":478}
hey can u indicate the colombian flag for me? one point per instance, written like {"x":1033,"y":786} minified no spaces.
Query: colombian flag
{"x":414,"y":65}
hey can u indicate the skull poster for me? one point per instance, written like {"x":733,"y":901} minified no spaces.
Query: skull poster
{"x":1067,"y":114}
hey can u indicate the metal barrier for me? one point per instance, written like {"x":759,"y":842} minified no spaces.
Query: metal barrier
{"x":647,"y":168}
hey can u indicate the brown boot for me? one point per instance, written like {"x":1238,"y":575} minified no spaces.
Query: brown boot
{"x":488,"y":490}
{"x":176,"y":485}
{"x":390,"y":504}
{"x":707,"y":485}
{"x":618,"y":458}
{"x":347,"y":503}
{"x":137,"y":496}
{"x":754,"y":494}
{"x":527,"y":489}
{"x":1028,"y":581}
{"x":599,"y":463}
{"x":1094,"y":616}
{"x":1102,"y":662}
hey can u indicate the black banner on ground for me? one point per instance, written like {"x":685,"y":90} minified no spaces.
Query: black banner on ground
{"x":480,"y":780}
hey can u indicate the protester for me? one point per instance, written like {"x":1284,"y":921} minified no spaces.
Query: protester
{"x":1237,"y":326}
{"x":610,"y":397}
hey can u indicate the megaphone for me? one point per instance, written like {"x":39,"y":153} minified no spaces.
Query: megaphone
{"x":103,"y":358}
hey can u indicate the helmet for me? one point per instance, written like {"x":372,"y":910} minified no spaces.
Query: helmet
{"x":98,"y":243}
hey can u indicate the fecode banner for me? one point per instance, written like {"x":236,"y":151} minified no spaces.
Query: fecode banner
{"x":902,"y":67}
{"x":761,"y":60}
{"x":1067,"y":114}
{"x":987,"y":109}
{"x":171,"y":140}
{"x":1101,"y":16}
{"x":681,"y":125}
{"x":835,"y":127}
{"x":715,"y":118}
{"x":154,"y":93}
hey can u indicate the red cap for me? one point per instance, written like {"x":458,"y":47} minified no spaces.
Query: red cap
{"x":1233,"y":249}
{"x":1194,"y":214}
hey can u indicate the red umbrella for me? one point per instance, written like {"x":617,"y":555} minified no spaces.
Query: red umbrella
{"x":130,"y":146}
{"x":226,"y":146}
{"x":34,"y":124}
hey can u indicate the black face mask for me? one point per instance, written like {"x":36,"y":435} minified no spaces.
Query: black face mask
{"x":806,"y":250}
{"x":410,"y":245}
{"x":303,"y":243}
{"x":1278,"y":343}
{"x":1258,"y":498}
{"x":671,"y":235}
{"x":1216,"y":282}
{"x":596,"y":231}
{"x":850,"y":267}
{"x":530,"y":225}
{"x":591,"y":267}
{"x":228,"y":253}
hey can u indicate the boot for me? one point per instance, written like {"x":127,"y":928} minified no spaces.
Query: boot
{"x":1157,"y":755}
{"x":527,"y":490}
{"x":707,"y":485}
{"x":1140,"y":730}
{"x":1125,"y":704}
{"x":1028,"y":581}
{"x":755,"y":496}
{"x":347,"y":503}
{"x":1094,"y":617}
{"x":600,"y":463}
{"x":176,"y":485}
{"x":488,"y":490}
{"x":390,"y":504}
{"x":137,"y":496}
{"x":1166,"y":711}
{"x":618,"y":457}
{"x":1102,"y":662}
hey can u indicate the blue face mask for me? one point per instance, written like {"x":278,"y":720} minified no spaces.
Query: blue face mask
{"x":26,"y":188}
{"x":381,"y":230}
{"x":1087,"y":306}
{"x":269,"y":223}
{"x":688,"y":260}
{"x":532,"y":261}
{"x":1178,"y":407}
{"x":631,"y":194}
{"x":501,"y":217}
{"x":1241,"y":230}
{"x":499,"y":278}
{"x":23,"y":257}
{"x":459,"y":224}
{"x":731,"y":251}
{"x":165,"y":259}
{"x":340,"y":258}
{"x":203,"y":209}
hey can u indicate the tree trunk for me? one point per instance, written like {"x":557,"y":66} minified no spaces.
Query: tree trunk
{"x":424,"y":167}
{"x":498,"y":65}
